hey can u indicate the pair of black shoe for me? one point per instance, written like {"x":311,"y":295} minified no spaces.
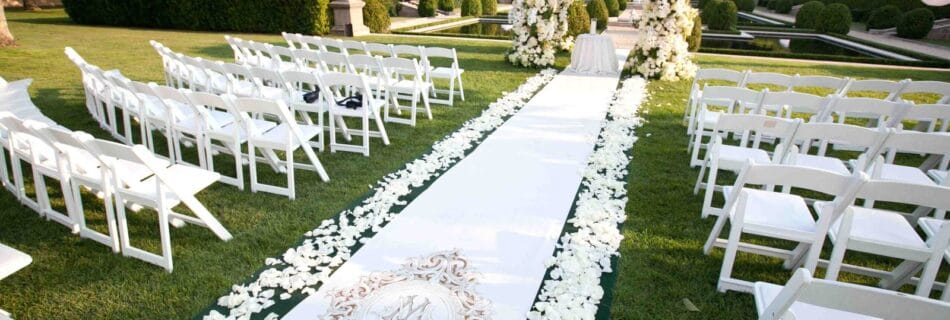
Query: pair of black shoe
{"x":351,"y":102}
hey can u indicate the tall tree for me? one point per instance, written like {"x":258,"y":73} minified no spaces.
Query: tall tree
{"x":6,"y":38}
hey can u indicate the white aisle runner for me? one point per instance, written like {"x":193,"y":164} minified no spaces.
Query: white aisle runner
{"x":502,"y":207}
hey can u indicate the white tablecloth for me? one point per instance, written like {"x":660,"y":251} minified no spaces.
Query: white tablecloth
{"x":594,"y":54}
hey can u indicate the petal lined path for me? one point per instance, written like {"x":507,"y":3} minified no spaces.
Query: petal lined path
{"x":503,"y":207}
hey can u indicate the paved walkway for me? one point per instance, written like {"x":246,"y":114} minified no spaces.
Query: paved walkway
{"x":918,"y":46}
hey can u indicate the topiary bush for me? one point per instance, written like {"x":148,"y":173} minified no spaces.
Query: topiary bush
{"x":427,"y":8}
{"x":783,"y":6}
{"x":720,"y":15}
{"x":446,"y":5}
{"x":695,"y":38}
{"x":915,"y":24}
{"x":884,"y":17}
{"x":578,"y":21}
{"x":835,"y":18}
{"x":597,"y":9}
{"x":376,"y":16}
{"x":471,"y":8}
{"x":489,"y":7}
{"x":613,"y":8}
{"x":745,"y":5}
{"x":623,"y":5}
{"x":807,"y":16}
{"x":393,"y":7}
{"x":299,"y":16}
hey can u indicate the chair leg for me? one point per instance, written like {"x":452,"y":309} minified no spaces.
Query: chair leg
{"x":699,"y":178}
{"x":238,"y":165}
{"x":165,"y":237}
{"x":332,"y":134}
{"x":461,"y":88}
{"x":365,"y":121}
{"x":836,"y":259}
{"x":252,"y":156}
{"x":412,"y":111}
{"x":382,"y":130}
{"x":930,"y":273}
{"x":735,"y":234}
{"x":291,"y":188}
{"x":451,"y":91}
{"x":425,"y":102}
{"x":714,"y":233}
{"x":795,"y":258}
{"x":710,"y":188}
{"x":900,"y":275}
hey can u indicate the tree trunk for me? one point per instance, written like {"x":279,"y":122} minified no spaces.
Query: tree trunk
{"x":30,"y":5}
{"x":6,"y":38}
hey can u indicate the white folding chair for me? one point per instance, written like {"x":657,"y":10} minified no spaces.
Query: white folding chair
{"x":379,"y":49}
{"x":715,"y":98}
{"x":269,"y":84}
{"x":788,"y":104}
{"x":779,"y":215}
{"x":353,"y":46}
{"x":807,"y":298}
{"x":218,"y":80}
{"x":334,"y":62}
{"x":883,"y":89}
{"x":184,"y":121}
{"x":453,"y":72}
{"x":237,"y":46}
{"x":704,"y":76}
{"x":332,"y":46}
{"x":885,"y":232}
{"x":261,"y":54}
{"x":287,"y":137}
{"x":24,"y":146}
{"x":936,"y":144}
{"x":11,"y":260}
{"x":881,"y":113}
{"x":283,"y":58}
{"x":867,"y":140}
{"x":405,"y":79}
{"x":241,"y":81}
{"x":407,"y":51}
{"x":931,"y":113}
{"x":308,"y":61}
{"x":167,"y":66}
{"x":832,"y":84}
{"x":165,"y":188}
{"x":297,"y":84}
{"x":721,"y":156}
{"x":334,"y":88}
{"x":776,"y":81}
{"x":293,"y":40}
{"x":308,"y":42}
{"x":932,"y":228}
{"x":939,"y":88}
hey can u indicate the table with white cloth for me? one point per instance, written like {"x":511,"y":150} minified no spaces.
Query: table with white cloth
{"x":594,"y":54}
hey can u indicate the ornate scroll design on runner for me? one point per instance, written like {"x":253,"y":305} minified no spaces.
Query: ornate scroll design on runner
{"x":439,"y":286}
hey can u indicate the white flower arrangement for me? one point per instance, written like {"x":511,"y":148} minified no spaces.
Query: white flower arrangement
{"x":301,"y":269}
{"x":540,"y":29}
{"x":574,"y":290}
{"x":661,"y":51}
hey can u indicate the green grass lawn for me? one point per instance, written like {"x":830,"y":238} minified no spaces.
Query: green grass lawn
{"x":73,"y":278}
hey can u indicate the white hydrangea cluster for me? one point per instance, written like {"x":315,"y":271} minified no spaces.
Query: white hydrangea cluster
{"x":301,"y":269}
{"x":540,"y":29}
{"x":661,"y":50}
{"x":574,"y":290}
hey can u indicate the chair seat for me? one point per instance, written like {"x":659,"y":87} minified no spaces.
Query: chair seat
{"x":297,"y":103}
{"x":878,"y":227}
{"x":272,"y":93}
{"x":825,"y":163}
{"x":243,"y":88}
{"x":12,"y":260}
{"x":193,"y":124}
{"x":931,"y":226}
{"x":375,"y":104}
{"x":907,"y":174}
{"x":733,"y":157}
{"x":775,"y":214}
{"x":409,"y":86}
{"x":186,"y":179}
{"x":227,"y":132}
{"x":279,"y":137}
{"x":765,"y":293}
{"x":445,"y":72}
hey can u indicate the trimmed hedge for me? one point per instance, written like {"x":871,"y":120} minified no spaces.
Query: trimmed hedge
{"x":393,"y":7}
{"x":745,"y":5}
{"x":915,"y":24}
{"x":623,"y":4}
{"x":783,"y":6}
{"x":824,"y":57}
{"x":426,"y":8}
{"x":446,"y":5}
{"x":884,"y":17}
{"x":720,"y":15}
{"x":597,"y":9}
{"x":613,"y":8}
{"x":489,"y":7}
{"x":471,"y":8}
{"x":862,"y":9}
{"x":835,"y":18}
{"x":376,"y":16}
{"x":578,"y":21}
{"x":299,"y":16}
{"x":695,"y":39}
{"x":807,"y":16}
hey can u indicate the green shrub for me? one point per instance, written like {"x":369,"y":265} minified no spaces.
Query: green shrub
{"x":720,"y":15}
{"x":745,"y":5}
{"x":427,"y":8}
{"x":303,"y":16}
{"x":771,"y":4}
{"x":763,"y":3}
{"x":375,"y":16}
{"x":471,"y":8}
{"x":578,"y":21}
{"x":884,"y":17}
{"x":597,"y":9}
{"x":807,"y":17}
{"x":393,"y":7}
{"x":915,"y":24}
{"x":623,"y":5}
{"x":783,"y":6}
{"x":489,"y":7}
{"x":613,"y":8}
{"x":695,"y":38}
{"x":446,"y":5}
{"x":835,"y":18}
{"x":702,"y":3}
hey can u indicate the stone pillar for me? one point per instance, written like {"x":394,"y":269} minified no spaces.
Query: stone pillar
{"x":348,"y":12}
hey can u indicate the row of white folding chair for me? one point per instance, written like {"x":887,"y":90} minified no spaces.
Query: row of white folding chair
{"x":124,"y":176}
{"x":782,"y":215}
{"x":807,"y":298}
{"x":451,"y":72}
